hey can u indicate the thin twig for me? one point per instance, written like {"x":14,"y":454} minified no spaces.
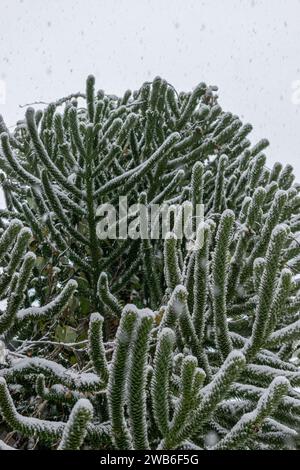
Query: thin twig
{"x":33,"y":103}
{"x":54,"y":343}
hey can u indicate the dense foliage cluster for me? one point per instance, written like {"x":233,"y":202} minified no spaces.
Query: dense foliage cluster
{"x":139,"y":344}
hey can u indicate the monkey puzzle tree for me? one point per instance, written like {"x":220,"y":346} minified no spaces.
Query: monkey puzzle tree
{"x":147,"y":343}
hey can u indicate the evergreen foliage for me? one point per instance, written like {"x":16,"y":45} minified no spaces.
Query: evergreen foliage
{"x":153,"y":343}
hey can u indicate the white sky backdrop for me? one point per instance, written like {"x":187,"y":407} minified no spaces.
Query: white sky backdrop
{"x":249,"y":48}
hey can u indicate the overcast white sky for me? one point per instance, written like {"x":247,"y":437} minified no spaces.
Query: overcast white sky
{"x":249,"y":48}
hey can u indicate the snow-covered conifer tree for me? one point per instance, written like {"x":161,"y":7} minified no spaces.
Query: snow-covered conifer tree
{"x":146,"y":343}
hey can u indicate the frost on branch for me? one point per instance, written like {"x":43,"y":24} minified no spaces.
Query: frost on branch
{"x":213,"y":363}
